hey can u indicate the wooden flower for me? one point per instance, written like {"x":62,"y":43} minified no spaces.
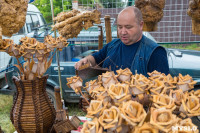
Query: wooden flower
{"x":7,"y":46}
{"x":133,"y":112}
{"x":170,"y":81}
{"x":95,"y":109}
{"x":111,"y":119}
{"x":16,"y":50}
{"x":75,"y":83}
{"x":61,"y":43}
{"x":105,"y":97}
{"x":107,"y":79}
{"x":156,"y":75}
{"x":160,"y":101}
{"x":139,"y":84}
{"x":50,"y":42}
{"x":157,"y":87}
{"x":91,"y":85}
{"x":187,"y":126}
{"x":119,"y":93}
{"x":177,"y":95}
{"x":146,"y":128}
{"x":163,"y":119}
{"x":28,"y":47}
{"x":196,"y":93}
{"x":190,"y":106}
{"x":185,"y":82}
{"x":96,"y":91}
{"x":124,"y":75}
{"x":92,"y":127}
{"x":41,"y":50}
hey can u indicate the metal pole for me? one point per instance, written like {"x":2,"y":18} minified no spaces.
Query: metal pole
{"x":57,"y":52}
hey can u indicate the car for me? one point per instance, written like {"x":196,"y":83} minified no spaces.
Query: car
{"x":179,"y":62}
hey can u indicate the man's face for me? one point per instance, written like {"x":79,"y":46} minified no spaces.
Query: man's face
{"x":129,"y":30}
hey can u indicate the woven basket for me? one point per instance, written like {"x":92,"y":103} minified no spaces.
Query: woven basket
{"x":63,"y":126}
{"x":0,"y":130}
{"x":32,"y":110}
{"x":75,"y":121}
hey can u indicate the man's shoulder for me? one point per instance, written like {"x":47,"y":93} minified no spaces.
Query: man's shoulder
{"x":148,"y":42}
{"x":114,"y":42}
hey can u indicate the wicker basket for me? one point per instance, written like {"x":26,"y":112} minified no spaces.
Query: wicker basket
{"x":32,"y":110}
{"x":75,"y":121}
{"x":63,"y":126}
{"x":0,"y":130}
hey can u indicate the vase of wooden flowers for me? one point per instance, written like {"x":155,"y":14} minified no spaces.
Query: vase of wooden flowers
{"x":32,"y":109}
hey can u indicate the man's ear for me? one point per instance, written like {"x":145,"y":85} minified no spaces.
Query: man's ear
{"x":141,"y":24}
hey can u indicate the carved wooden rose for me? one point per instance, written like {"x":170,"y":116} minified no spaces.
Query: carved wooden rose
{"x":133,"y":112}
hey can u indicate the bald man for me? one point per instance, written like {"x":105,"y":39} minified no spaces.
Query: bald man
{"x":132,"y":50}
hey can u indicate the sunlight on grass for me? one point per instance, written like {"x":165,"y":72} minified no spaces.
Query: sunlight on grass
{"x":6,"y":102}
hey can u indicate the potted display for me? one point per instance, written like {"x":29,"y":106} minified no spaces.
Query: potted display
{"x":32,"y":109}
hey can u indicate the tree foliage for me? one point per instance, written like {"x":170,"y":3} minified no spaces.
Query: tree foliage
{"x":45,"y":7}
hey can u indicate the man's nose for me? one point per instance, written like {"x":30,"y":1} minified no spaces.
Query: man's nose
{"x":123,"y":30}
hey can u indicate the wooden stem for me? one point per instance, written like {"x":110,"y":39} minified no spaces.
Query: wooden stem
{"x":83,"y":95}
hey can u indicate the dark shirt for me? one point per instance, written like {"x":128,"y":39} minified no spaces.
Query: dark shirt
{"x":123,"y":56}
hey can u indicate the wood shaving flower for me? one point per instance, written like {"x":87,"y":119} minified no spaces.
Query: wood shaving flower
{"x":92,"y":127}
{"x":124,"y":75}
{"x":157,"y":87}
{"x":177,"y":95}
{"x":95,"y":109}
{"x":119,"y":93}
{"x":196,"y":93}
{"x":61,"y":43}
{"x":190,"y":106}
{"x":146,"y":128}
{"x":107,"y":79}
{"x":139,"y":84}
{"x":50,"y":42}
{"x":28,"y":47}
{"x":160,"y":101}
{"x":110,"y":119}
{"x":187,"y":126}
{"x":104,"y":96}
{"x":75,"y":83}
{"x":185,"y":82}
{"x":41,"y":50}
{"x":170,"y":81}
{"x":133,"y":112}
{"x":156,"y":75}
{"x":163,"y":119}
{"x":91,"y":85}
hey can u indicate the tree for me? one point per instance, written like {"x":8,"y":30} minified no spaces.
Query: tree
{"x":45,"y":8}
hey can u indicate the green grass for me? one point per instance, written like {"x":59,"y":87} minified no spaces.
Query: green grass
{"x":183,"y":46}
{"x":5,"y":107}
{"x":74,"y":109}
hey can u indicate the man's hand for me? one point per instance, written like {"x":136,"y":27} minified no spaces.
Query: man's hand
{"x":80,"y":63}
{"x":88,"y":59}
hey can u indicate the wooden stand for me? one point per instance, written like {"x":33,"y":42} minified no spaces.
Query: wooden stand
{"x":108,"y":29}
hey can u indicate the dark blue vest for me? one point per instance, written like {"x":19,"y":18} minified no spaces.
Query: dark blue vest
{"x":142,"y":56}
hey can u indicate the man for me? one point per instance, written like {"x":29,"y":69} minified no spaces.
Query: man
{"x":133,"y":50}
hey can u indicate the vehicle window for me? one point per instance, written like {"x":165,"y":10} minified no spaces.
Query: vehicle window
{"x":35,"y":21}
{"x":43,"y":20}
{"x":29,"y":23}
{"x":22,"y":30}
